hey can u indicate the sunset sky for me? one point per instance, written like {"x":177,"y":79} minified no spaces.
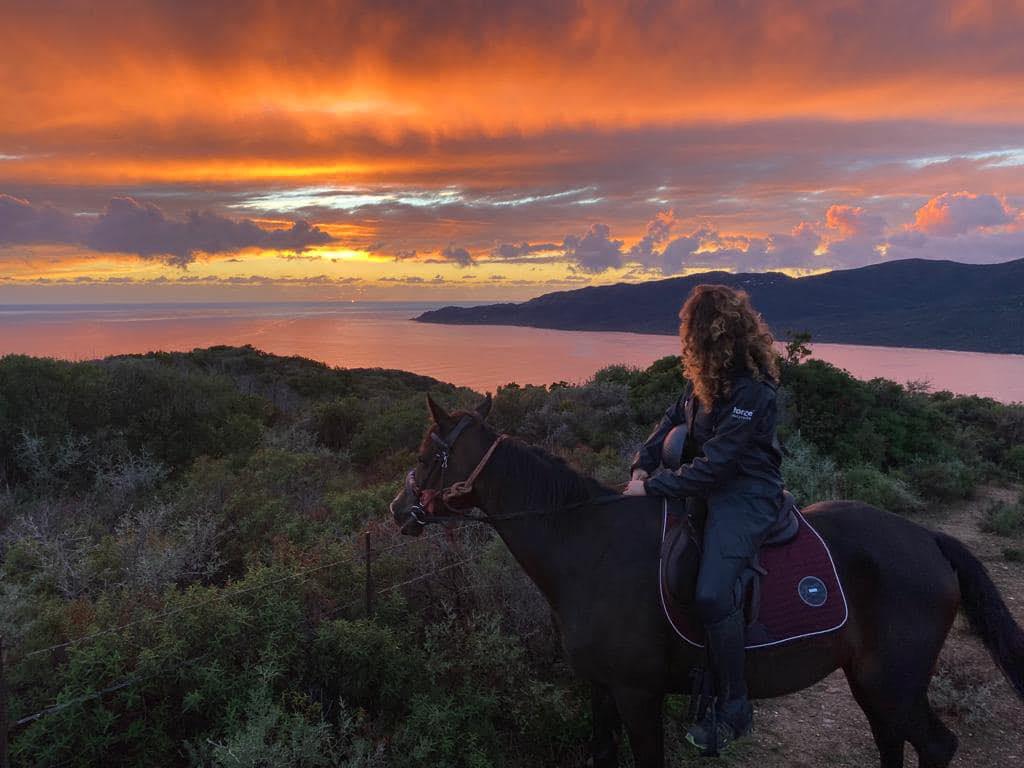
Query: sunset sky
{"x":226,"y":151}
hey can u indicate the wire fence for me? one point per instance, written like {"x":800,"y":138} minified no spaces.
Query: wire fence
{"x":162,"y":666}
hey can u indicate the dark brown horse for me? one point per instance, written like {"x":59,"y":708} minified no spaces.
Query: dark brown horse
{"x":594,"y":556}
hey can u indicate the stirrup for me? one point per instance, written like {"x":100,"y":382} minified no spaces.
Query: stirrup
{"x":721,"y":734}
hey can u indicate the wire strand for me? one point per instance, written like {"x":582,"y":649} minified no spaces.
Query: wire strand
{"x":221,"y":597}
{"x":128,"y":682}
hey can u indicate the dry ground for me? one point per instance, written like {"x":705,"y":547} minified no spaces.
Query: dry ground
{"x":823,"y":726}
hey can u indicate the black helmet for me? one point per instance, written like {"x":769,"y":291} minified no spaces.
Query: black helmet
{"x":672,"y":447}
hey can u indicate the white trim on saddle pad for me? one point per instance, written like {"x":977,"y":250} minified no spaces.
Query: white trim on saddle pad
{"x":668,"y":613}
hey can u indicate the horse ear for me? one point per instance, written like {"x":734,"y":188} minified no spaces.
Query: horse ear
{"x":485,"y":407}
{"x":439,"y":414}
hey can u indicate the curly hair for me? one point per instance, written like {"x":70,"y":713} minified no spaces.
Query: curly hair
{"x":720,"y":331}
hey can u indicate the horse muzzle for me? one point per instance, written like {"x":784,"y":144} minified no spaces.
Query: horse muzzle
{"x":407,"y":509}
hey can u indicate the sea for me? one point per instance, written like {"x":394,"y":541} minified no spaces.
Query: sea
{"x":383,"y":335}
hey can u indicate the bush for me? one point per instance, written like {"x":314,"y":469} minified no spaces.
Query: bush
{"x":367,"y":665}
{"x":352,"y":509}
{"x":942,"y":480}
{"x":1003,"y":518}
{"x":288,"y":733}
{"x":57,"y":419}
{"x":809,"y":476}
{"x":1014,"y":461}
{"x":1013,"y":554}
{"x":960,"y":691}
{"x":875,"y":487}
{"x":337,"y":422}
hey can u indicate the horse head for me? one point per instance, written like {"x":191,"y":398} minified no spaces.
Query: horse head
{"x":454,"y":451}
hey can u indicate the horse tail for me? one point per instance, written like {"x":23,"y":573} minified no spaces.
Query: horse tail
{"x":986,"y":611}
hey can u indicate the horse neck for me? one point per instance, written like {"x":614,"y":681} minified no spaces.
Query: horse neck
{"x":540,"y":535}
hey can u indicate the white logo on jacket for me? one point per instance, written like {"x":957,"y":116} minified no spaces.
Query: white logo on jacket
{"x":739,"y":413}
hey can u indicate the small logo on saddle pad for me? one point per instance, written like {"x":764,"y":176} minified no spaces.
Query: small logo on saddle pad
{"x":812,"y":591}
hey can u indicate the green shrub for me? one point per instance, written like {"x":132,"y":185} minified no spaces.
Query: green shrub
{"x":337,"y":422}
{"x":1014,"y":461}
{"x":367,"y":665}
{"x":288,"y":733}
{"x":958,"y":690}
{"x":942,"y":480}
{"x":351,"y":509}
{"x":872,"y":486}
{"x":1003,"y":518}
{"x":809,"y":476}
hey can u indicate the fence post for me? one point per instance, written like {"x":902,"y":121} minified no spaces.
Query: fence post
{"x":369,"y":579}
{"x":3,"y":708}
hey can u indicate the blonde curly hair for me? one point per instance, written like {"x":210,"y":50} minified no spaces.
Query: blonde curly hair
{"x":719,"y":330}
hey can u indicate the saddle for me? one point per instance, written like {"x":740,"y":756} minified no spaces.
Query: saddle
{"x":790,"y":589}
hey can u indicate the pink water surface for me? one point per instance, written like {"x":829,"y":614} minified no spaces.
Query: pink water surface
{"x":482,"y":357}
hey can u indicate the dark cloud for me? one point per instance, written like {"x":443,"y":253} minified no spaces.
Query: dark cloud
{"x":794,"y":249}
{"x":128,"y":226}
{"x":595,"y":251}
{"x":977,"y":247}
{"x":23,"y":223}
{"x":519,"y":251}
{"x":460,"y":256}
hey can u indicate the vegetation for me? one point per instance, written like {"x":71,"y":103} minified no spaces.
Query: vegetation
{"x":209,"y":508}
{"x":1004,"y":518}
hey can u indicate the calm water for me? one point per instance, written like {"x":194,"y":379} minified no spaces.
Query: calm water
{"x":482,"y":357}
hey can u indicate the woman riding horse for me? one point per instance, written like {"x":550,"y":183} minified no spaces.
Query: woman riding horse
{"x":594,"y":555}
{"x":729,"y":413}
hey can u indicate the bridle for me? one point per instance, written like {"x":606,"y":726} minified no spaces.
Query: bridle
{"x":424,"y":511}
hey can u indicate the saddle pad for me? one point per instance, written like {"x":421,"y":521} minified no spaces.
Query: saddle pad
{"x":800,"y":596}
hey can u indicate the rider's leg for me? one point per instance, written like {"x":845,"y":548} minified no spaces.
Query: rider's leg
{"x":735,"y":527}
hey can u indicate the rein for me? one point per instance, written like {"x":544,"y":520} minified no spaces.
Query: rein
{"x":423,"y":513}
{"x":467,"y":517}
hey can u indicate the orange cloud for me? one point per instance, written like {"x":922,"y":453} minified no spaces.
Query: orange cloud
{"x":851,"y":221}
{"x":959,"y":213}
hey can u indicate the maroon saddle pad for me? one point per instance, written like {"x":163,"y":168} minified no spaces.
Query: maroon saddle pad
{"x":799,"y":595}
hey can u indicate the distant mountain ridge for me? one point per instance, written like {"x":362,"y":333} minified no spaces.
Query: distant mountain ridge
{"x":907,"y":303}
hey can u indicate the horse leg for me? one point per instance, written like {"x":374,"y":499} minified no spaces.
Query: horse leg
{"x":934,"y":742}
{"x":885,"y":726}
{"x":641,"y":711}
{"x":607,"y":728}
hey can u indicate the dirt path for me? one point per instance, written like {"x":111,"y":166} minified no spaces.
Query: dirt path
{"x":823,"y":726}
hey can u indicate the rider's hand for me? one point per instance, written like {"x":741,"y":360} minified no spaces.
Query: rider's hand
{"x":635,"y":488}
{"x":639,"y":474}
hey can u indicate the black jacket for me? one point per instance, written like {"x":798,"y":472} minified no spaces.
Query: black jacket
{"x":732,"y":446}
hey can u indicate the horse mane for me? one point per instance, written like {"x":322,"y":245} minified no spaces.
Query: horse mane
{"x":541,"y":479}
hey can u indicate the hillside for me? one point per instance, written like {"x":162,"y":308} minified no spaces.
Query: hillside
{"x":909,"y":303}
{"x":198,"y":568}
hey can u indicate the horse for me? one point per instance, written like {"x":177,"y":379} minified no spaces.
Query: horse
{"x":594,"y":554}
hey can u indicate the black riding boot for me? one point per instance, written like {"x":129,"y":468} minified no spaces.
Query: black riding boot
{"x":732,"y":716}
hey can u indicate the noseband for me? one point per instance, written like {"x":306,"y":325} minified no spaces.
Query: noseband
{"x":427,"y":499}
